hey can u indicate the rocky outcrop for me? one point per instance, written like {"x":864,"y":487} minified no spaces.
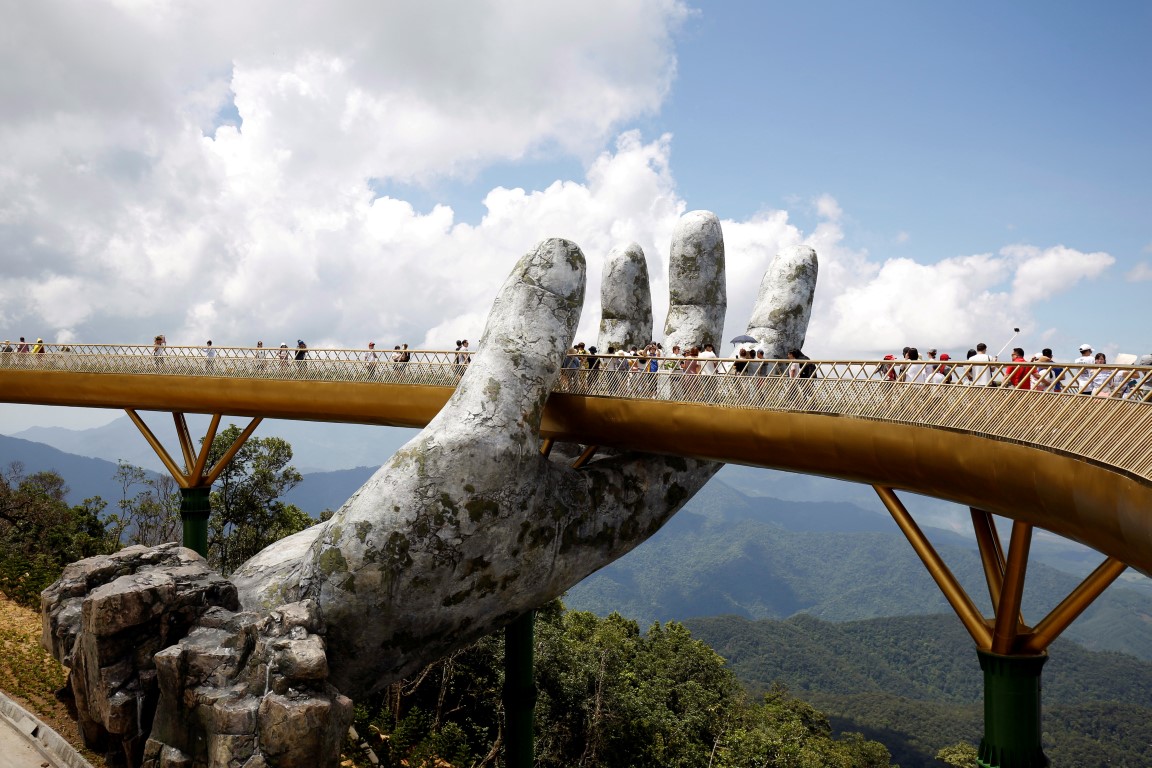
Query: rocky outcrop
{"x":165,"y":673}
{"x":107,"y":617}
{"x":248,"y":689}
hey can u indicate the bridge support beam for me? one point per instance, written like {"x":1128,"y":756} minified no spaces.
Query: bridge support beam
{"x":195,"y":477}
{"x":520,"y":692}
{"x":1011,"y":711}
{"x":195,"y":510}
{"x":1011,"y":652}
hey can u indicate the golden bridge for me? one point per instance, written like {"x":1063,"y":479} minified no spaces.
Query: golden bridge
{"x":1050,"y":456}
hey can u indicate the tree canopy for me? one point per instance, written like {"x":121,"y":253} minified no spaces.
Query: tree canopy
{"x":40,"y":533}
{"x":609,"y":695}
{"x":247,"y":513}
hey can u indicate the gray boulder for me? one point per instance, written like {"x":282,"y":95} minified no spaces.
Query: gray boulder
{"x":107,"y":618}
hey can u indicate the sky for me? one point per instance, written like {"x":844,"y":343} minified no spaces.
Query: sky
{"x":356,"y":171}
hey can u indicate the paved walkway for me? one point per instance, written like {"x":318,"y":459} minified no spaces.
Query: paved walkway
{"x":26,"y":742}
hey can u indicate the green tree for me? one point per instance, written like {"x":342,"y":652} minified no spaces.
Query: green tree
{"x":784,"y":732}
{"x":149,"y":508}
{"x":609,"y":696}
{"x":960,"y":755}
{"x":247,"y":513}
{"x":40,"y":533}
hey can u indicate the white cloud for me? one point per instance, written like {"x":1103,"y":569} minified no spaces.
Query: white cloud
{"x":1041,"y":273}
{"x":127,"y":210}
{"x":1139,"y":273}
{"x":121,"y":198}
{"x":869,"y":307}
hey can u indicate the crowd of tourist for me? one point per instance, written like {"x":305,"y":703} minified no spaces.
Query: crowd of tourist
{"x":1087,"y":374}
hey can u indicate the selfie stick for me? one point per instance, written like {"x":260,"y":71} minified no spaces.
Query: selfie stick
{"x":1017,"y":330}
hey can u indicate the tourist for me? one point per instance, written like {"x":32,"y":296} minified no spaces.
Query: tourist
{"x":1043,"y":377}
{"x":1018,"y":376}
{"x":1083,"y":380}
{"x":1101,"y":384}
{"x":708,"y":356}
{"x":914,"y":372}
{"x":981,"y":374}
{"x":887,"y":368}
{"x":942,"y":373}
{"x":371,"y":357}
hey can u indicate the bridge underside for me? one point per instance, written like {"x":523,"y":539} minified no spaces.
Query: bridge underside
{"x":1065,"y":494}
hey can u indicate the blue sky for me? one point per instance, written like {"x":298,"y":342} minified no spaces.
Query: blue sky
{"x":963,"y":125}
{"x":372,"y":171}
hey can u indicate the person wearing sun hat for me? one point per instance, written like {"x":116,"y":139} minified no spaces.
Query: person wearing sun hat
{"x":887,"y":370}
{"x":942,"y":373}
{"x":1084,"y":379}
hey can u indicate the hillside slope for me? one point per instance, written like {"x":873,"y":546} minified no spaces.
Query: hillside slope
{"x":914,"y":683}
{"x":746,"y":562}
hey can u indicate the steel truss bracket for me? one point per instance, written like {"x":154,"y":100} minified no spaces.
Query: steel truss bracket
{"x":1006,"y":633}
{"x":195,"y":472}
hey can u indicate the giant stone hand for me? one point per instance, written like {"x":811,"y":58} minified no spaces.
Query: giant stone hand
{"x":470,"y":525}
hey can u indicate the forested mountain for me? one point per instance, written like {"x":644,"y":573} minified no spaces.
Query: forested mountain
{"x":914,"y":684}
{"x":729,"y":552}
{"x":716,"y":557}
{"x":318,"y":446}
{"x":85,"y":477}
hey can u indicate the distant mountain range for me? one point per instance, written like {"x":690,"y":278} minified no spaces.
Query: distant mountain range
{"x":316,"y":446}
{"x":914,"y":684}
{"x":757,"y":558}
{"x":85,"y":476}
{"x":736,"y":548}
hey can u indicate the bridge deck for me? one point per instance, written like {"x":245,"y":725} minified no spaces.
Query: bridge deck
{"x":1079,"y":466}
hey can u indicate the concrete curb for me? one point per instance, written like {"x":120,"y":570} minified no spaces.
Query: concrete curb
{"x":56,"y":750}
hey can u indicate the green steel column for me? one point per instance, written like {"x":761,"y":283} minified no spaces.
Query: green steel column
{"x":519,"y":692}
{"x":1011,"y":711}
{"x":194,"y":511}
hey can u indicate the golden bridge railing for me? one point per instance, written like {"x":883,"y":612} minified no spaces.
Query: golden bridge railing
{"x":393,"y":366}
{"x":1112,"y":425}
{"x":1102,"y":413}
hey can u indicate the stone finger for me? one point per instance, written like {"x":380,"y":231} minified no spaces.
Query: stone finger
{"x":784,"y":303}
{"x":697,"y":292}
{"x":625,"y":300}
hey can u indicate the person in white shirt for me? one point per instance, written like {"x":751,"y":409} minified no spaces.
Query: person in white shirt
{"x":1104,"y":381}
{"x":371,"y":357}
{"x":942,"y":373}
{"x":708,"y":358}
{"x":981,"y":375}
{"x":1084,"y":379}
{"x":914,"y":371}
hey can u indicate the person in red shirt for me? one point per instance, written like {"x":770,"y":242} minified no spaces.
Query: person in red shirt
{"x":1019,"y":376}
